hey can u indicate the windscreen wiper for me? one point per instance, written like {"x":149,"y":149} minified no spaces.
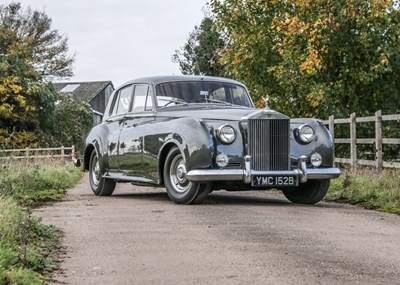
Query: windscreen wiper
{"x":209,"y":100}
{"x":171,"y":100}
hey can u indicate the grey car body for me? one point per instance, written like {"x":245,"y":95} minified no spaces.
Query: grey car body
{"x":196,"y":134}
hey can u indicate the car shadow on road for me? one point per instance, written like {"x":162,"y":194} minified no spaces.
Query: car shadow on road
{"x":254,"y":198}
{"x":159,"y":196}
{"x":225,"y":198}
{"x":218,"y":197}
{"x":243,"y":198}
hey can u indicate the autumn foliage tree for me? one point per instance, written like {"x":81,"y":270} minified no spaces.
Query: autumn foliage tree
{"x":314,"y":57}
{"x":42,"y":47}
{"x":30,"y":54}
{"x":26,"y":103}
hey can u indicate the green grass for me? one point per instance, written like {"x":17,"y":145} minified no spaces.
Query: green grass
{"x":368,"y":189}
{"x":34,"y":185}
{"x":27,"y":247}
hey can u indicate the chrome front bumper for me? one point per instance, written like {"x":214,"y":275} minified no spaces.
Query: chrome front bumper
{"x":244,"y":175}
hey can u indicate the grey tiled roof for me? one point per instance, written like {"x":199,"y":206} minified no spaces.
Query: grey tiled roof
{"x":86,"y":91}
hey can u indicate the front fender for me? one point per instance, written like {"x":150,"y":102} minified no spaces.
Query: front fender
{"x":191,"y":136}
{"x":322,"y":143}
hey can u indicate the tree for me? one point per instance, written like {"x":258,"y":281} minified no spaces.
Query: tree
{"x":74,"y":121}
{"x":30,"y":53}
{"x":200,"y":54}
{"x":45,"y":49}
{"x":314,"y":57}
{"x":26,"y":103}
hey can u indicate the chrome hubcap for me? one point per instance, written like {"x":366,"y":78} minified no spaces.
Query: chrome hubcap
{"x":177,"y":175}
{"x":95,"y":171}
{"x":181,"y":173}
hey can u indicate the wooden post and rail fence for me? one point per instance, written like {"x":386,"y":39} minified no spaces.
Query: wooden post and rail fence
{"x":69,"y":152}
{"x":63,"y":153}
{"x":378,"y":141}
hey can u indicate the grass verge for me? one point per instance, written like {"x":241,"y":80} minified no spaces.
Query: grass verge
{"x":368,"y":189}
{"x":27,"y":247}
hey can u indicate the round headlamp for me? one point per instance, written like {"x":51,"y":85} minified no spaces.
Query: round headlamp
{"x":305,"y":133}
{"x":226,"y":134}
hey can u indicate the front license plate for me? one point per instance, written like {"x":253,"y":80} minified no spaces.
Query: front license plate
{"x":274,"y":180}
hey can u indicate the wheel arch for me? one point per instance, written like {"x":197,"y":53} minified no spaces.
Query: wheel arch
{"x":193,"y":140}
{"x":96,"y":141}
{"x":88,"y":151}
{"x":162,"y":157}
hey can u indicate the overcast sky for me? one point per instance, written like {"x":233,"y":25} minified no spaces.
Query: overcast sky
{"x":119,"y":40}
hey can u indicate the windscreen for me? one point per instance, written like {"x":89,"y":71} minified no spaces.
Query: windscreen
{"x":175,"y":93}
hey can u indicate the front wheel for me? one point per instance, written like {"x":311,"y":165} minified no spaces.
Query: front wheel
{"x":179,"y":189}
{"x":100,"y":185}
{"x":310,"y":192}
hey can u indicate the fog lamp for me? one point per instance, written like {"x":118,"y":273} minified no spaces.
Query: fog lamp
{"x":316,"y":159}
{"x":222,"y":160}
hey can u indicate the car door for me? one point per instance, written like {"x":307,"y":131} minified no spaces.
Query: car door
{"x":121,"y":105}
{"x":131,"y":140}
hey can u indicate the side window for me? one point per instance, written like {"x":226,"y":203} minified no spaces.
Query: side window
{"x":113,"y":109}
{"x":122,"y":101}
{"x":149,"y":100}
{"x":142,"y":98}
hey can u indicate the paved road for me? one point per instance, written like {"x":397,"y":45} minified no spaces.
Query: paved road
{"x":137,"y":236}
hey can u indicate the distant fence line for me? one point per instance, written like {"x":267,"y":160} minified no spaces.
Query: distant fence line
{"x":378,"y":141}
{"x":38,"y":153}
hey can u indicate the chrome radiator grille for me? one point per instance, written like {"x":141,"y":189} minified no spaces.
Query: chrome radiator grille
{"x":269,"y":144}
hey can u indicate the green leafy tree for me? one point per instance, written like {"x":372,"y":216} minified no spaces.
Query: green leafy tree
{"x":30,"y":54}
{"x":314,"y":57}
{"x":73,"y":130}
{"x":201,"y":53}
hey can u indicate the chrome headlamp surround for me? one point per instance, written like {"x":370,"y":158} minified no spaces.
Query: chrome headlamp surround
{"x":226,"y":134}
{"x":304,"y":134}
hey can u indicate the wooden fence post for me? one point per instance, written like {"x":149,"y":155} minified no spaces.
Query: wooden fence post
{"x":378,"y":141}
{"x":353,"y":141}
{"x":332,"y":130}
{"x":63,"y":154}
{"x":27,"y":155}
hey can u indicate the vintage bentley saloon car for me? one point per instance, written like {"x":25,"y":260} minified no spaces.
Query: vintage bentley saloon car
{"x":194,"y":134}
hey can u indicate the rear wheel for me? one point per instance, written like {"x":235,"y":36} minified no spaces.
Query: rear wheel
{"x":100,"y":185}
{"x":310,"y":192}
{"x":179,"y":189}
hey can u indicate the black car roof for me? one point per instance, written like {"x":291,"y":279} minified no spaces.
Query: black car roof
{"x":179,"y":78}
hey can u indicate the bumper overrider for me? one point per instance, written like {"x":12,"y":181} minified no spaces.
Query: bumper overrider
{"x":303,"y":173}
